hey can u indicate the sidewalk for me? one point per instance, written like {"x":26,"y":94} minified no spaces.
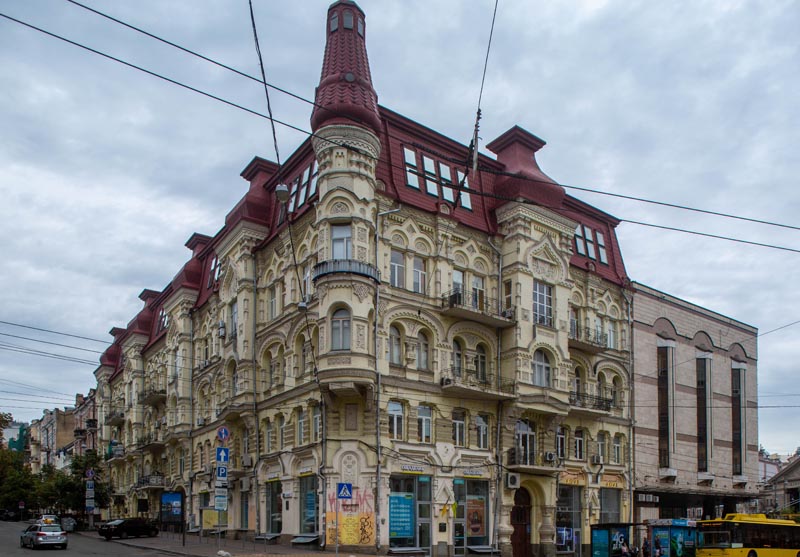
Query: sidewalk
{"x":196,"y":546}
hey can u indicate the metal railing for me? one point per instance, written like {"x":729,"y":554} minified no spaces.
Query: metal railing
{"x":153,"y":480}
{"x":588,"y":335}
{"x":589,"y":401}
{"x":351,"y":266}
{"x":475,"y":301}
{"x":476,"y":378}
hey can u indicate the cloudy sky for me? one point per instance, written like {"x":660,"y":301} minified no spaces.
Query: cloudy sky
{"x":105,"y":171}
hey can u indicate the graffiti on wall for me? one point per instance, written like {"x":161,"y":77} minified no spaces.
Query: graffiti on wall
{"x":356,"y":518}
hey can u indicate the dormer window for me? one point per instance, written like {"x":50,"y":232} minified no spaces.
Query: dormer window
{"x":348,"y":19}
{"x":163,"y":320}
{"x":361,"y":26}
{"x":436,"y":176}
{"x":334,"y":21}
{"x":591,"y":243}
{"x":214,"y":271}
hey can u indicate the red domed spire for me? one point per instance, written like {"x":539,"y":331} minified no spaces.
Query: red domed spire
{"x":345,"y":94}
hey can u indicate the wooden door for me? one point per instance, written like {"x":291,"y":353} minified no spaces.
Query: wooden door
{"x":521,"y":522}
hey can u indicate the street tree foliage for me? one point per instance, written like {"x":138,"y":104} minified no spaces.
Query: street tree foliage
{"x":16,"y":481}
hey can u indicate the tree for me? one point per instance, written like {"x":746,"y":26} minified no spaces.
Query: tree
{"x":16,"y":481}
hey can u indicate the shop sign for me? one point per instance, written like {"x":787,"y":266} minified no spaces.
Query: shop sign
{"x":307,"y":471}
{"x":412,"y":469}
{"x":472,"y":473}
{"x":273,"y":477}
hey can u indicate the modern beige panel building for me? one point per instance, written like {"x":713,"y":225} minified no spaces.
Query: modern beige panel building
{"x":696,"y":410}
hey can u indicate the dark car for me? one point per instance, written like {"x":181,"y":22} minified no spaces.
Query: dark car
{"x":9,"y":515}
{"x":128,"y":527}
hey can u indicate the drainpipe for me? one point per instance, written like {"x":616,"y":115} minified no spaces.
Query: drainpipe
{"x":379,"y":451}
{"x":499,"y":308}
{"x":499,"y":478}
{"x":498,"y":481}
{"x":255,"y":396}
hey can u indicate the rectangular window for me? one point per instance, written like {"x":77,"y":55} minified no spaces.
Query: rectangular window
{"x":663,"y":361}
{"x":316,"y":424}
{"x":312,"y":186}
{"x":422,"y":352}
{"x":397,"y":269}
{"x":587,"y":233}
{"x":444,"y":173}
{"x":507,"y":295}
{"x":412,"y":170}
{"x":568,"y":518}
{"x":478,"y":293}
{"x":395,"y":412}
{"x":609,"y":505}
{"x":424,"y":423}
{"x":458,"y":280}
{"x":464,"y":198}
{"x":268,"y":438}
{"x":616,"y":452}
{"x":341,"y":244}
{"x":459,"y":428}
{"x":579,"y":245}
{"x":244,"y":510}
{"x":281,"y":433}
{"x":420,"y":275}
{"x":292,"y":192}
{"x":431,"y":187}
{"x":579,"y":445}
{"x":525,"y":443}
{"x":542,"y":304}
{"x":736,"y":421}
{"x":273,"y":303}
{"x":234,"y":320}
{"x":410,"y":512}
{"x":308,"y":505}
{"x":301,"y":427}
{"x":601,"y":248}
{"x":601,"y":446}
{"x":482,"y":431}
{"x":702,"y":415}
{"x":274,"y":513}
{"x":561,"y":443}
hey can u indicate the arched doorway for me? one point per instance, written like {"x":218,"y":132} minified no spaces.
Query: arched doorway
{"x":521,"y":522}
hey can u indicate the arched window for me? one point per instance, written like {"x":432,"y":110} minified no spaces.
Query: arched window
{"x":458,"y":358}
{"x":423,"y":349}
{"x":541,"y":369}
{"x":616,"y":392}
{"x":394,"y":346}
{"x":480,"y":363}
{"x":340,"y":330}
{"x":577,"y":384}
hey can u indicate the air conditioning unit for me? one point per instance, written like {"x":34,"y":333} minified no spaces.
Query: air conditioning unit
{"x":550,"y":456}
{"x":201,"y":422}
{"x":597,"y":459}
{"x":512,"y":480}
{"x":445,"y":381}
{"x":508,"y":313}
{"x":247,"y":461}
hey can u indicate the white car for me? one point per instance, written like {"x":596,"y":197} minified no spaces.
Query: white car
{"x":42,"y":535}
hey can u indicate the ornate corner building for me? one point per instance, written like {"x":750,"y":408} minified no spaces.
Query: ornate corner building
{"x":452,"y":343}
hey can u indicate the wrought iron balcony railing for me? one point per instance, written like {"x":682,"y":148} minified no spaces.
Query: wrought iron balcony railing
{"x":351,"y":266}
{"x":589,"y":401}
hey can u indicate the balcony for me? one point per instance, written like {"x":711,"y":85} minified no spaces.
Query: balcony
{"x":80,"y":433}
{"x":150,"y":442}
{"x":474,"y":306}
{"x":153,"y":397}
{"x":153,"y":481}
{"x":589,"y":404}
{"x":349,"y":266}
{"x":587,"y":339}
{"x":115,"y":451}
{"x":544,"y":463}
{"x":115,"y":418}
{"x":91,"y":424}
{"x":476,"y":384}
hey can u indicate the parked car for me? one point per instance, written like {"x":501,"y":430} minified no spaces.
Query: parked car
{"x":127,"y":527}
{"x":9,"y":515}
{"x":43,"y":535}
{"x":49,"y":519}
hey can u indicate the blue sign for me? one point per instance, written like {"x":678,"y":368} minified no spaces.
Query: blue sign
{"x":344,"y":491}
{"x":223,"y":433}
{"x":222,"y":472}
{"x":401,"y":515}
{"x":90,"y":484}
{"x":223,"y":455}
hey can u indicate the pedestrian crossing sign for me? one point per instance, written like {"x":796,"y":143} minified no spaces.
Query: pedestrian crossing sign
{"x":344,"y":491}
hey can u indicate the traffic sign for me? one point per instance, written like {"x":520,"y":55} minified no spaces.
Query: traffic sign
{"x":89,"y":484}
{"x":90,"y":473}
{"x":220,"y":502}
{"x":223,"y":454}
{"x":223,"y":433}
{"x":221,"y":483}
{"x":90,"y":504}
{"x":222,"y":472}
{"x":22,"y":504}
{"x":89,"y":493}
{"x":220,"y":492}
{"x":344,"y":491}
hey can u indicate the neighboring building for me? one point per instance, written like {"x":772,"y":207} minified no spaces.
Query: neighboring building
{"x":56,"y":437}
{"x":86,"y":434}
{"x":35,"y":447}
{"x":783,"y":491}
{"x":454,"y":347}
{"x":696,"y":410}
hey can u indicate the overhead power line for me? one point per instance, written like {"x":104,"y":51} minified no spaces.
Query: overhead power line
{"x":51,"y":332}
{"x":52,"y":343}
{"x":483,"y":169}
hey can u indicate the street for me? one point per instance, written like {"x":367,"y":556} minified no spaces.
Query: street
{"x":78,"y":545}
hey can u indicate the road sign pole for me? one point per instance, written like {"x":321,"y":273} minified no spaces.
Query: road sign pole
{"x":337,"y":527}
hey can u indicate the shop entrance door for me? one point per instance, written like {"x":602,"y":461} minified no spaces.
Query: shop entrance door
{"x":521,"y":522}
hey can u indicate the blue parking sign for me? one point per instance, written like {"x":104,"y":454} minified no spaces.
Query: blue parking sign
{"x":222,"y":472}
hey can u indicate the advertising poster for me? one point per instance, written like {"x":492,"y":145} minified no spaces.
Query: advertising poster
{"x":171,"y":506}
{"x":401,"y":515}
{"x":599,"y":541}
{"x":476,"y":511}
{"x":661,"y":542}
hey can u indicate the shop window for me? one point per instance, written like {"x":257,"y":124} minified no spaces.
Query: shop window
{"x":568,"y":518}
{"x":410,"y":512}
{"x":471,"y":523}
{"x":308,"y":505}
{"x":274,"y":523}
